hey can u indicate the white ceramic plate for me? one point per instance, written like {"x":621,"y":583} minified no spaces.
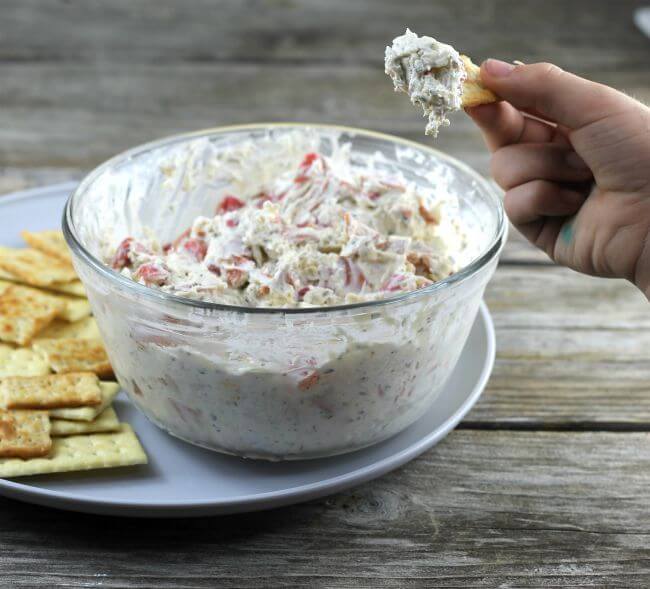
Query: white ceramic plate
{"x":183,"y":480}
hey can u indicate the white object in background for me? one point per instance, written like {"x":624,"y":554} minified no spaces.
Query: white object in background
{"x":642,"y":20}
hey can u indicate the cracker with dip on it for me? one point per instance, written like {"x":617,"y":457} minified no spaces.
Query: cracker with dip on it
{"x":55,"y":413}
{"x":435,"y":76}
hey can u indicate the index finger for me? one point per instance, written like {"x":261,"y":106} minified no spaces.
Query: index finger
{"x":502,"y":124}
{"x":547,"y":91}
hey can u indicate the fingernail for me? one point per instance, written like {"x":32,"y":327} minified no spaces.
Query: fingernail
{"x":498,"y":68}
{"x":573,"y":160}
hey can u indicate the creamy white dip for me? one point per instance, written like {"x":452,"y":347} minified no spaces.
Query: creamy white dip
{"x":303,"y":229}
{"x":301,"y":220}
{"x":430,"y":72}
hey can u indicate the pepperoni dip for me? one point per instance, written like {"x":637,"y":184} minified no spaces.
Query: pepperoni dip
{"x":302,"y":231}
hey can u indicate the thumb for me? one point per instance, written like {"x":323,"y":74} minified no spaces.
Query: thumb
{"x":545,"y":90}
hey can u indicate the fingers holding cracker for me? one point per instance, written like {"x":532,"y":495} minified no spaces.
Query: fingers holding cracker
{"x":474,"y":92}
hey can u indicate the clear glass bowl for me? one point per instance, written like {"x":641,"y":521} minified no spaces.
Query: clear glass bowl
{"x":232,"y":379}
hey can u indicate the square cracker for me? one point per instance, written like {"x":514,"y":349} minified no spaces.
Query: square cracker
{"x":34,"y":267}
{"x":106,"y":421}
{"x":75,"y":355}
{"x":85,"y":328}
{"x":50,"y":391}
{"x":75,"y":308}
{"x":81,"y":453}
{"x":24,"y":434}
{"x":25,"y":311}
{"x":109,"y":391}
{"x":72,"y":288}
{"x":21,"y":362}
{"x":50,"y":242}
{"x":474,"y":93}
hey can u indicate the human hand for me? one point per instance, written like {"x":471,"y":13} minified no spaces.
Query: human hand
{"x":578,"y":185}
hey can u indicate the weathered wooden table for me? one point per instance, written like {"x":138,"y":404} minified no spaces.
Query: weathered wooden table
{"x":546,"y":483}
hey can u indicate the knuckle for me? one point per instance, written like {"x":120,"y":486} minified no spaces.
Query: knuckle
{"x":547,"y":71}
{"x":499,"y":169}
{"x":538,"y":195}
{"x":547,"y":78}
{"x":509,"y":205}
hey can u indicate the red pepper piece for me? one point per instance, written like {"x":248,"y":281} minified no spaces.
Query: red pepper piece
{"x":152,"y":273}
{"x":228,"y":204}
{"x":309,"y":159}
{"x":236,"y":278}
{"x":427,"y":215}
{"x":309,"y":381}
{"x":121,"y":258}
{"x":197,"y":248}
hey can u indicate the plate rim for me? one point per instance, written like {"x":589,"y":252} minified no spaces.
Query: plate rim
{"x":255,"y":501}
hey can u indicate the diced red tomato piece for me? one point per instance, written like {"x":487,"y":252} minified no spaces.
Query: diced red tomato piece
{"x":427,"y":215}
{"x":121,"y":258}
{"x":353,"y":275}
{"x":394,"y":283}
{"x":236,"y":278}
{"x":301,"y":179}
{"x":309,"y":381}
{"x":152,"y":273}
{"x":303,"y":291}
{"x":348,"y":271}
{"x":197,"y":248}
{"x":228,"y":204}
{"x":243,"y":261}
{"x":309,"y":159}
{"x":232,"y":222}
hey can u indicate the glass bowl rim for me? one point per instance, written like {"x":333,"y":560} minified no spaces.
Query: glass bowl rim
{"x":488,"y":253}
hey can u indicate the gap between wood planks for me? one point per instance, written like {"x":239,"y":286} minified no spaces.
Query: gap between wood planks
{"x":574,"y":426}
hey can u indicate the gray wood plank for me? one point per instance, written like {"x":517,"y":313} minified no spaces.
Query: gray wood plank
{"x":571,"y":349}
{"x":164,"y":31}
{"x":482,"y":509}
{"x":78,"y":115}
{"x":61,"y":114}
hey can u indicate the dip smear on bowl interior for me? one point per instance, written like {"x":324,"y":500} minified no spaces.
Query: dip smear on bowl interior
{"x":295,"y":227}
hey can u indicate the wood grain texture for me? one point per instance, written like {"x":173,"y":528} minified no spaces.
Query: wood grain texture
{"x":84,"y":80}
{"x":482,"y":509}
{"x":313,"y":31}
{"x":90,"y":112}
{"x":490,"y":506}
{"x":571,"y":349}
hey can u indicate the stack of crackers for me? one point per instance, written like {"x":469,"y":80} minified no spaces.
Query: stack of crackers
{"x":56,"y":388}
